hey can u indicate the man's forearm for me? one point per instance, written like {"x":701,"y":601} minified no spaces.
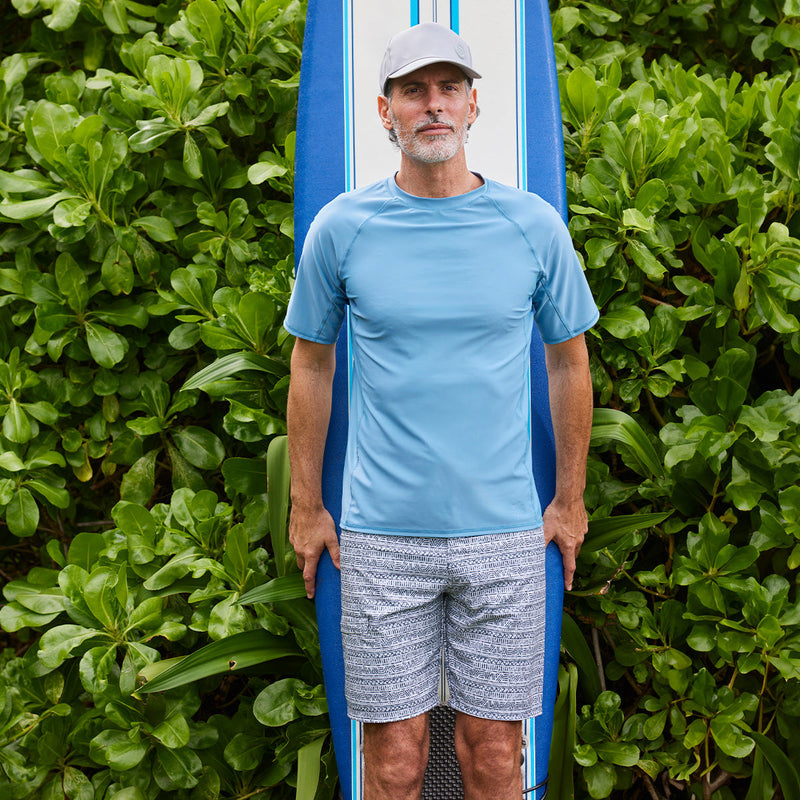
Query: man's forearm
{"x":307,"y":416}
{"x":565,"y":520}
{"x":311,"y":529}
{"x":571,"y":408}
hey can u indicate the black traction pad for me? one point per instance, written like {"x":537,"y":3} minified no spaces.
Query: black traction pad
{"x":443,"y":774}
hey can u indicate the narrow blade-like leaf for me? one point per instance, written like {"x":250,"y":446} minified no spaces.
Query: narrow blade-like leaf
{"x":606,"y":531}
{"x":573,"y":641}
{"x":227,"y":655}
{"x":609,"y":424}
{"x":231,"y":364}
{"x":278,"y":499}
{"x":287,"y":587}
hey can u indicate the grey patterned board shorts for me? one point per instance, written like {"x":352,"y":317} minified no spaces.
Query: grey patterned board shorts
{"x":469,"y":608}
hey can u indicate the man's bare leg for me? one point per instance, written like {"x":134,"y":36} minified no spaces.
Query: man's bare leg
{"x":395,"y":757}
{"x":489,"y":754}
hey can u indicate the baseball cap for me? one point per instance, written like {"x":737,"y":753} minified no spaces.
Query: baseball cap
{"x":423,"y":44}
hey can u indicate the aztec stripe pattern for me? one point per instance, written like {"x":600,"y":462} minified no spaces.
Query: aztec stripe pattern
{"x":480,"y":598}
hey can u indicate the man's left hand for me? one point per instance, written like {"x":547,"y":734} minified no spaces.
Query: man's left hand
{"x":566,"y":523}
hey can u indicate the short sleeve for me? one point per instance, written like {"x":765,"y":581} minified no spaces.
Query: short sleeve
{"x":562,"y":301}
{"x":316,"y":307}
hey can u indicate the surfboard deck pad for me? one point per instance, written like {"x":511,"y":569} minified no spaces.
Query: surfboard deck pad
{"x":443,"y":774}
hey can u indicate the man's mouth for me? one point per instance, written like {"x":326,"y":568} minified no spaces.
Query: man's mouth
{"x":435,"y":128}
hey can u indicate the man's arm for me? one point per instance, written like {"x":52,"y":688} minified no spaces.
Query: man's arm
{"x":311,"y":527}
{"x":571,"y":405}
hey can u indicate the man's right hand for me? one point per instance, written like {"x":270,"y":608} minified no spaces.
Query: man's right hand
{"x":310,"y":532}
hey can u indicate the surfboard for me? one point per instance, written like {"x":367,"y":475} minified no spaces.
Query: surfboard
{"x":342,"y":146}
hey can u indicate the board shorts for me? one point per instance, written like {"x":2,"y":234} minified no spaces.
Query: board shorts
{"x":468,"y":609}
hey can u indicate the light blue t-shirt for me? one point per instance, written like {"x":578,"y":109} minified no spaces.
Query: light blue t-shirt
{"x":443,"y":294}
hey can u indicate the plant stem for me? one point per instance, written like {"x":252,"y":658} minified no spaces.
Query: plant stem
{"x":598,"y":658}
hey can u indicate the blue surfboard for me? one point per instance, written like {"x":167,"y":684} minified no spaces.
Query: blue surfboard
{"x":341,"y":146}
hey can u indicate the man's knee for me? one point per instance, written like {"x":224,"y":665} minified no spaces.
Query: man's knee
{"x":395,"y":755}
{"x":488,"y":747}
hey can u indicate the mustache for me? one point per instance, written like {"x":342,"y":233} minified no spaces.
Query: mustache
{"x":433,"y":119}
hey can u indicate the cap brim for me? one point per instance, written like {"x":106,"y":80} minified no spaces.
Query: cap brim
{"x":423,"y":62}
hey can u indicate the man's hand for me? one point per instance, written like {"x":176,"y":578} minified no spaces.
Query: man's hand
{"x":310,"y":532}
{"x":566,"y":524}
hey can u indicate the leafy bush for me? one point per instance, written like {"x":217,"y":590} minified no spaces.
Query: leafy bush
{"x":683,"y":184}
{"x":145,"y":172}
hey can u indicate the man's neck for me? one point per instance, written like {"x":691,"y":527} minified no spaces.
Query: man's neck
{"x":447,"y":179}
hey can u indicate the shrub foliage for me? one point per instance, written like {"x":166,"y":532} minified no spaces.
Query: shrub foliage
{"x":145,"y":263}
{"x":683,"y":180}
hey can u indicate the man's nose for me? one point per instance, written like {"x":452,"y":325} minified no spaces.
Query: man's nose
{"x":435,"y":101}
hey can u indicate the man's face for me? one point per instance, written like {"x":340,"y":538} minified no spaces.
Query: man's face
{"x":430,"y":111}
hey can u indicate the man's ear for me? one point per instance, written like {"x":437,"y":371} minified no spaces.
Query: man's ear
{"x":473,"y":106}
{"x":383,"y":112}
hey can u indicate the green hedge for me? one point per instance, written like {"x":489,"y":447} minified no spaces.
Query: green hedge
{"x":145,"y":263}
{"x":683,"y":156}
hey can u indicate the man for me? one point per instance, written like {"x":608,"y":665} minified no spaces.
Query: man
{"x":442,"y":548}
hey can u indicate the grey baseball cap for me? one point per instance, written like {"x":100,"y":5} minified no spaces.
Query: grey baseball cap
{"x":423,"y":44}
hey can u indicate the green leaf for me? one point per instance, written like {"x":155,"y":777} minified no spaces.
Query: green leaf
{"x":138,"y":483}
{"x":262,"y":171}
{"x":117,"y":270}
{"x":604,"y":531}
{"x":256,"y":313}
{"x":192,"y":158}
{"x":159,"y":229}
{"x":625,"y":323}
{"x":275,"y":705}
{"x":246,"y":475}
{"x":175,"y":569}
{"x":107,"y":348}
{"x":561,"y":767}
{"x":173,"y":732}
{"x":582,"y":92}
{"x":176,"y":769}
{"x":200,"y":447}
{"x":239,"y":651}
{"x":206,"y":19}
{"x":96,"y":666}
{"x":785,"y":771}
{"x":151,"y":134}
{"x":245,"y":752}
{"x":100,"y":596}
{"x":620,"y":753}
{"x":730,"y":738}
{"x":788,"y":34}
{"x":608,"y":424}
{"x":278,"y":480}
{"x":574,"y":642}
{"x":308,"y":769}
{"x":115,"y":16}
{"x":50,"y":127}
{"x":22,"y":513}
{"x":232,"y":364}
{"x":600,"y":779}
{"x":287,"y":587}
{"x":64,"y":14}
{"x":31,"y":209}
{"x":16,"y":425}
{"x":57,"y":643}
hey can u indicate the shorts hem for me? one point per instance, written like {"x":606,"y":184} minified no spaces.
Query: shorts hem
{"x":391,"y":716}
{"x":495,"y":715}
